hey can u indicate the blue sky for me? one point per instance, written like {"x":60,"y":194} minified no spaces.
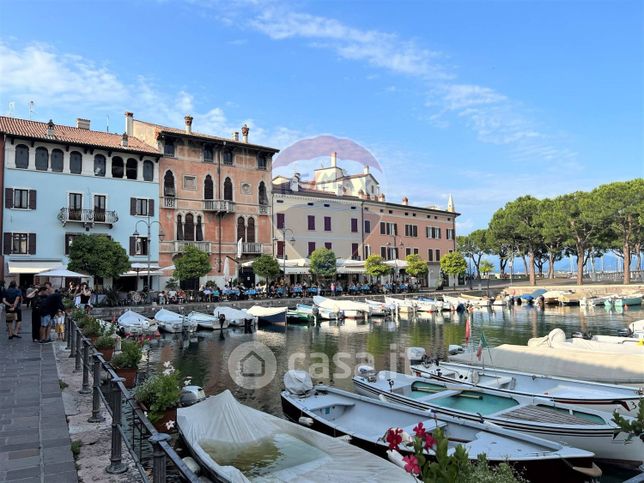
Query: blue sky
{"x":486,"y":100}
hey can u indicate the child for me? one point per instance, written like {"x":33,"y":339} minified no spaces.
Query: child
{"x":60,"y":325}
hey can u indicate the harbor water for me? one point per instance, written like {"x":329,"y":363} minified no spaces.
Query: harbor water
{"x":332,"y":351}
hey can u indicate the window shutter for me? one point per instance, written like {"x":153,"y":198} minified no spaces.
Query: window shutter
{"x":151,"y":207}
{"x":32,"y":199}
{"x":6,"y":246}
{"x":32,"y":244}
{"x":132,"y":245}
{"x":8,"y":197}
{"x":132,"y":206}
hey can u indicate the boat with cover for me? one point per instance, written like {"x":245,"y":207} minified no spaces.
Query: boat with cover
{"x":557,"y":339}
{"x":340,"y":413}
{"x":169,"y":321}
{"x":606,"y":397}
{"x":322,"y":313}
{"x":583,"y":428}
{"x":349,"y":308}
{"x":206,"y":321}
{"x":234,"y":317}
{"x":428,"y":305}
{"x":479,"y":302}
{"x":268,"y":315}
{"x":133,"y":323}
{"x":621,"y":300}
{"x":378,"y":309}
{"x":235,"y":443}
{"x":401,"y":305}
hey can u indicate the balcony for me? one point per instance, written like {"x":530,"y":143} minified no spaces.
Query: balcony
{"x":264,"y":210}
{"x":219,"y":206}
{"x":180,"y":246}
{"x":169,"y":202}
{"x":251,"y":248}
{"x":87,"y":217}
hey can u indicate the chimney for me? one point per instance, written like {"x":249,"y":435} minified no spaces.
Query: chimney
{"x":365,"y":170}
{"x":129,"y":123}
{"x":245,"y":130}
{"x":188,"y":119}
{"x":50,"y":129}
{"x":405,"y":201}
{"x":82,"y":123}
{"x":124,"y":140}
{"x":334,"y":159}
{"x":235,"y":135}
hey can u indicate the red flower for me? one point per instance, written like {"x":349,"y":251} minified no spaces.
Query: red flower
{"x":420,"y":430}
{"x":411,"y":465}
{"x":393,"y":437}
{"x":430,"y":442}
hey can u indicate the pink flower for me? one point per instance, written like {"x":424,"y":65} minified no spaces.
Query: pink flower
{"x":430,"y":442}
{"x":419,"y":430}
{"x":411,"y":465}
{"x":393,"y":437}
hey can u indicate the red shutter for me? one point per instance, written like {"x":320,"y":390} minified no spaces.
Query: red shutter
{"x":132,"y":245}
{"x":132,"y":206}
{"x":32,"y":244}
{"x":32,"y":199}
{"x":8,"y":197}
{"x":151,"y":207}
{"x":6,"y":247}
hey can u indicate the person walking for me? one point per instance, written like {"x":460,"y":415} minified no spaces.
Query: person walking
{"x":37,"y":307}
{"x":53,"y":304}
{"x":85,"y":294}
{"x":12,"y":300}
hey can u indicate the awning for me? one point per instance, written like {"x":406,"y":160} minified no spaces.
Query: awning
{"x":144,"y":265}
{"x":142,"y":273}
{"x":62,"y":272}
{"x":32,"y":266}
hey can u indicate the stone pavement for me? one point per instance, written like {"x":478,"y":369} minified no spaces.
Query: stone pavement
{"x":34,"y":439}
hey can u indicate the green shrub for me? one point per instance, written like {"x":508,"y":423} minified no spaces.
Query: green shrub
{"x":129,"y":357}
{"x":105,"y":342}
{"x":160,"y":392}
{"x":91,"y":327}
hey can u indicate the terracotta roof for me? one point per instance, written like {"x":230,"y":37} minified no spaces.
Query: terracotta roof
{"x":194,"y":134}
{"x":71,"y":135}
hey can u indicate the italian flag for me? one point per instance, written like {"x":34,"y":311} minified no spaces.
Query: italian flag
{"x":482,"y":343}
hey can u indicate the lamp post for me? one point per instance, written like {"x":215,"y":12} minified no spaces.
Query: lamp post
{"x":148,"y":223}
{"x":291,"y":239}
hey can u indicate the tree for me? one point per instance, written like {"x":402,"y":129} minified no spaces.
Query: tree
{"x":375,"y":266}
{"x":486,"y":267}
{"x":453,"y":264}
{"x":323,"y":263}
{"x":474,"y":246}
{"x":552,"y":227}
{"x":502,"y":240}
{"x":193,"y":263}
{"x":98,"y":255}
{"x":266,"y":267}
{"x":416,"y":266}
{"x":522,"y":215}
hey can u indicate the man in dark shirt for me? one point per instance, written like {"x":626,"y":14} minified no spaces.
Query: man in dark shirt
{"x":12,"y":299}
{"x":53,"y":303}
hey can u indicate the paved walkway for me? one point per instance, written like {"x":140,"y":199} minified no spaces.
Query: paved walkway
{"x":34,"y":439}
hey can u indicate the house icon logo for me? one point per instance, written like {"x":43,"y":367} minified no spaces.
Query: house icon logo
{"x":252,"y":365}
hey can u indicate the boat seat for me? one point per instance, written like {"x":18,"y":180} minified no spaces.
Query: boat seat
{"x":504,"y":382}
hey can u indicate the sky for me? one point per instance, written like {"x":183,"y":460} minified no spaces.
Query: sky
{"x":486,"y":100}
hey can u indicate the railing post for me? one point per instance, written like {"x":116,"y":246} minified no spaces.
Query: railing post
{"x":116,"y":466}
{"x":158,"y":457}
{"x":96,"y":397}
{"x":85,"y":389}
{"x":72,"y":340}
{"x":79,"y":353}
{"x":68,"y":331}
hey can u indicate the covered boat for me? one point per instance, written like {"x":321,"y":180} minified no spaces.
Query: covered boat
{"x":378,"y":309}
{"x":319,"y":312}
{"x":401,"y":305}
{"x":579,"y":427}
{"x":234,"y":317}
{"x":268,"y":315}
{"x":133,"y":323}
{"x":557,"y":339}
{"x":236,"y":443}
{"x":365,"y":421}
{"x":349,"y":308}
{"x":206,"y":321}
{"x":169,"y":321}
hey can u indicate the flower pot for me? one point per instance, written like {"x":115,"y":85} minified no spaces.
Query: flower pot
{"x":129,"y":374}
{"x":160,"y":424}
{"x":107,"y":353}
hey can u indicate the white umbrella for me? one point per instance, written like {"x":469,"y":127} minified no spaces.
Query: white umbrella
{"x":62,"y":272}
{"x":226,"y":270}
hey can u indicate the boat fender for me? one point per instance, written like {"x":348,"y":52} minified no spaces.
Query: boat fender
{"x":475,"y":377}
{"x":191,"y":464}
{"x":396,"y":458}
{"x":304,"y":421}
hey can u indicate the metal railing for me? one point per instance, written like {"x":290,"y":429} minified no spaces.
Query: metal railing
{"x":67,"y":215}
{"x":150,"y":450}
{"x":180,"y":246}
{"x":252,"y":248}
{"x":264,"y":210}
{"x":220,"y":206}
{"x":169,"y":202}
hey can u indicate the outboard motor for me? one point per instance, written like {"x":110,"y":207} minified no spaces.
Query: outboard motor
{"x":625,"y":332}
{"x":191,"y":395}
{"x":298,"y":383}
{"x":416,"y":355}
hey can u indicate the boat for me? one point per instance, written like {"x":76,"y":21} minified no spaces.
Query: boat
{"x":592,"y":301}
{"x":480,"y":302}
{"x":428,"y":305}
{"x":234,"y":317}
{"x":297,"y":316}
{"x":622,"y":300}
{"x":235,"y":443}
{"x":349,"y":308}
{"x":401,"y":305}
{"x":379,"y":309}
{"x":365,"y":421}
{"x":557,"y":339}
{"x":583,"y":428}
{"x":606,"y":397}
{"x":570,"y":299}
{"x":207,"y":321}
{"x":319,"y":312}
{"x":133,"y":323}
{"x":169,"y":321}
{"x":551,"y":297}
{"x":268,"y":315}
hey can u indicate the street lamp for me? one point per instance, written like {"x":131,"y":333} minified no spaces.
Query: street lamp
{"x":148,"y":223}
{"x":291,"y":239}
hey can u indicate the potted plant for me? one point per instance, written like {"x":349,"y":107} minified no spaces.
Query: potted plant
{"x":105,"y":345}
{"x":92,"y":329}
{"x":127,"y":361}
{"x":159,"y":396}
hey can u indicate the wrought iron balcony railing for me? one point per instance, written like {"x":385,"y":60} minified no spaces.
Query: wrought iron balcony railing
{"x":69,"y":215}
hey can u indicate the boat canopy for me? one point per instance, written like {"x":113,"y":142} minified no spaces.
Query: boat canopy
{"x":130,"y":317}
{"x":169,"y":316}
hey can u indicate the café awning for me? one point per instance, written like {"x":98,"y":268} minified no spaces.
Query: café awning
{"x":32,"y":266}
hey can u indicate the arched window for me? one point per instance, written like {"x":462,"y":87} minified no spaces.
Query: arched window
{"x":75,"y":162}
{"x":42,"y":159}
{"x":148,"y":170}
{"x":179,"y":228}
{"x":250,"y":231}
{"x":189,"y":228}
{"x":208,"y":193}
{"x":168,"y":184}
{"x":263,"y":199}
{"x":130,"y":168}
{"x":22,"y":156}
{"x":99,"y":165}
{"x":117,"y":167}
{"x":199,"y":232}
{"x":228,"y":189}
{"x":57,"y":160}
{"x":228,"y":158}
{"x":241,"y":229}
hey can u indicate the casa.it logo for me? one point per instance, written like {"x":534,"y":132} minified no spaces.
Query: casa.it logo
{"x":252,"y":365}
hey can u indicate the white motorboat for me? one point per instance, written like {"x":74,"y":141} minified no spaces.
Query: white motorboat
{"x":405,"y":306}
{"x":366,"y":421}
{"x":206,"y":321}
{"x":478,"y":302}
{"x":236,"y":443}
{"x":349,"y":308}
{"x":319,"y":312}
{"x":133,"y":323}
{"x":428,"y":305}
{"x":378,"y":309}
{"x":556,"y":339}
{"x":268,"y":315}
{"x":169,"y":321}
{"x":234,"y":317}
{"x":579,"y":427}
